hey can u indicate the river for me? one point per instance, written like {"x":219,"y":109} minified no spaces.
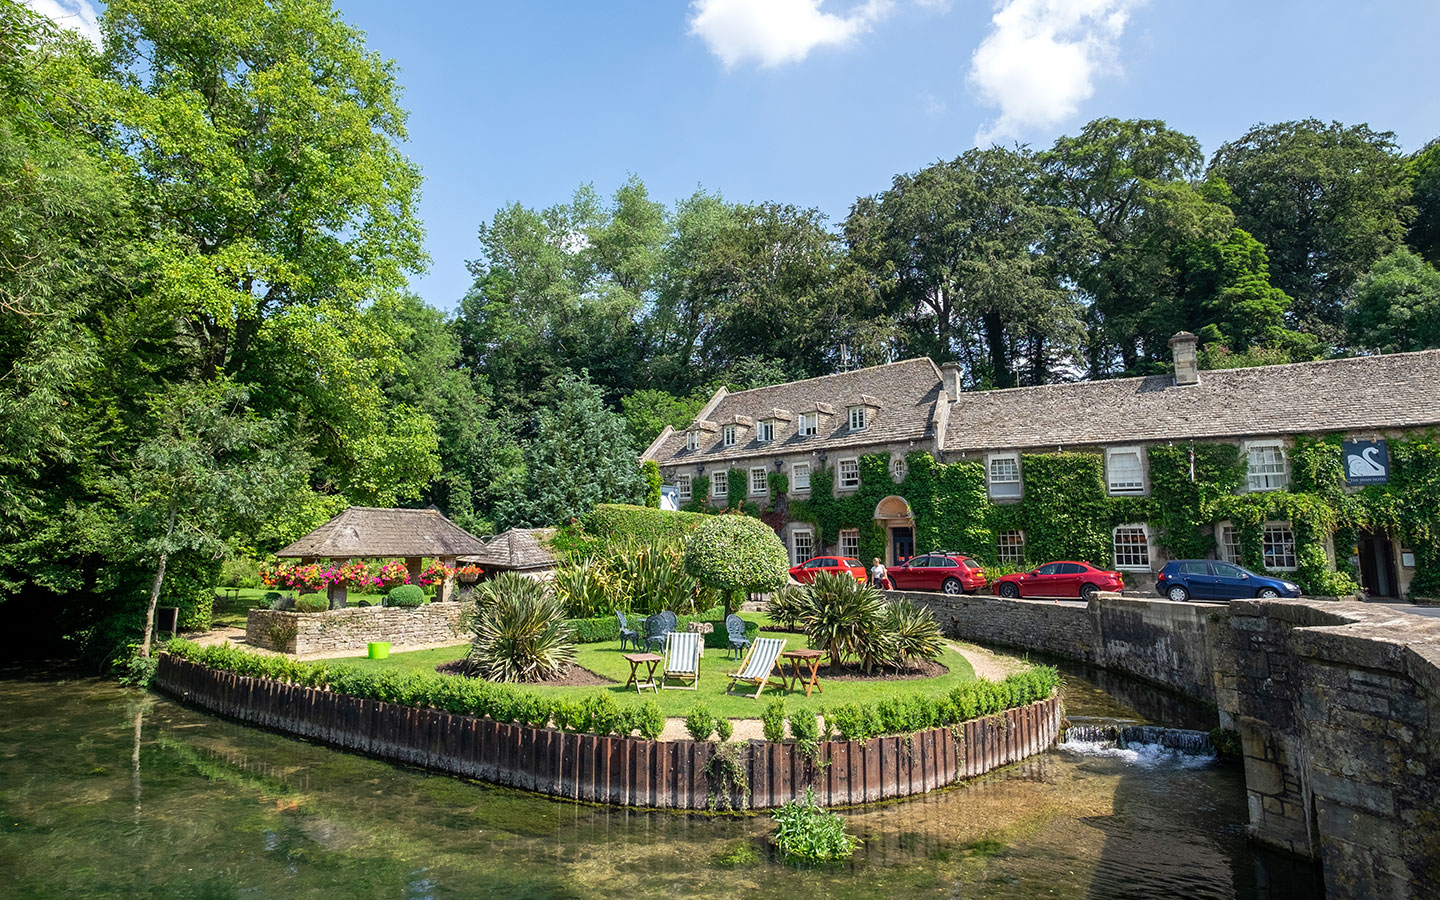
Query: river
{"x":111,"y":792}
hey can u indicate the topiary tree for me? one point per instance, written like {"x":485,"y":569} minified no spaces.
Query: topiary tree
{"x":650,"y":472}
{"x":734,"y":554}
{"x":405,"y":596}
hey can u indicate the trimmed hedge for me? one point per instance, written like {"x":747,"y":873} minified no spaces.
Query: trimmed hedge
{"x":971,"y":700}
{"x":607,"y":628}
{"x":451,"y":693}
{"x":405,"y":596}
{"x":643,"y":524}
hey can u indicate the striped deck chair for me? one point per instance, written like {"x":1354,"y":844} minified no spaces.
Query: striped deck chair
{"x":682,"y":660}
{"x":759,"y":663}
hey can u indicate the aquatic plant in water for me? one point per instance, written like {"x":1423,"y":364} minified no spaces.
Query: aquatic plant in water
{"x":806,"y":832}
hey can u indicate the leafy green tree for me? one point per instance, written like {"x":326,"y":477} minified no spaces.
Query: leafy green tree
{"x":648,"y":411}
{"x":1326,"y":201}
{"x":967,"y":257}
{"x":1241,"y":309}
{"x":581,"y":455}
{"x":1397,"y":305}
{"x":734,"y":554}
{"x":1424,"y":171}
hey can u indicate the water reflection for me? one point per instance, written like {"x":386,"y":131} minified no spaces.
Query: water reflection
{"x":107,"y":793}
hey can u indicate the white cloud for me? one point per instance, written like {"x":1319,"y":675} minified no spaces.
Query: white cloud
{"x":1040,"y":61}
{"x":77,"y":15}
{"x":775,"y":32}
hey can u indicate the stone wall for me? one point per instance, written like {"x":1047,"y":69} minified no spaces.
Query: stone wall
{"x":307,"y":634}
{"x":1061,"y":629}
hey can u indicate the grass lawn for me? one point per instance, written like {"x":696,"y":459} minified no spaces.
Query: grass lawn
{"x":605,"y":659}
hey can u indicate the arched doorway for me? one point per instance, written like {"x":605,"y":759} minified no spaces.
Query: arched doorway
{"x":894,"y":514}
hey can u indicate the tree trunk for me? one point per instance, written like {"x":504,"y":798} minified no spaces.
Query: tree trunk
{"x":155,"y":588}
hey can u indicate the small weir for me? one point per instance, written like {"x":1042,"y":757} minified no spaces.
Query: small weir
{"x":1135,"y":742}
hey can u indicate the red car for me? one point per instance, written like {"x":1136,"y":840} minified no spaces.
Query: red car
{"x":948,"y":572}
{"x":835,"y":565}
{"x":1059,"y":579}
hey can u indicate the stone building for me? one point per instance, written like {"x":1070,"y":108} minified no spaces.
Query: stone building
{"x":1291,"y":431}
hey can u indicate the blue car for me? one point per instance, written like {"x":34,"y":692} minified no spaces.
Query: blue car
{"x":1210,"y":579}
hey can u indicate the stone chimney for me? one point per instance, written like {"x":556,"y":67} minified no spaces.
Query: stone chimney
{"x":1187,"y":362}
{"x":950,"y":374}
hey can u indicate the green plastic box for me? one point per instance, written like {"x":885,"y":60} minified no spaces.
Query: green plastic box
{"x":379,"y":649}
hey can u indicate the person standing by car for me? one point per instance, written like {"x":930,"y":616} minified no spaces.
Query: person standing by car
{"x":879,"y":576}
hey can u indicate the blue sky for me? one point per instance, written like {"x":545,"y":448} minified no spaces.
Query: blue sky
{"x":814,"y":102}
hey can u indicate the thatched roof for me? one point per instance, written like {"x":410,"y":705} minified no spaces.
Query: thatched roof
{"x":516,"y":549}
{"x":366,"y":531}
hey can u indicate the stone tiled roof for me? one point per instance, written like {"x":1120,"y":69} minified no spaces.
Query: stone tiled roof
{"x":1400,"y":390}
{"x":516,"y":549}
{"x":367,"y":531}
{"x":902,"y":396}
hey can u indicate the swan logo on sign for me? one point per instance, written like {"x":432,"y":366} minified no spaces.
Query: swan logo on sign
{"x":1366,"y":462}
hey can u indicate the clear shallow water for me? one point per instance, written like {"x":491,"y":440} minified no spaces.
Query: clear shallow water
{"x":106,"y":792}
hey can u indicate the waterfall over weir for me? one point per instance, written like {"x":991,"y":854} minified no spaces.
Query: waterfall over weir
{"x":1109,"y":737}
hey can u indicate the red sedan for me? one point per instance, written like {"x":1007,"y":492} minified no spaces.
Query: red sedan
{"x":836,"y":565}
{"x":1059,"y":579}
{"x":948,"y":572}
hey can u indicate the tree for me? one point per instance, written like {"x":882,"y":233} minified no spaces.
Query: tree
{"x":581,"y":455}
{"x":967,"y":257}
{"x":1241,"y":309}
{"x":648,"y":411}
{"x":209,"y":471}
{"x":1326,"y":201}
{"x":1424,"y":171}
{"x":734,"y":554}
{"x":1397,"y":305}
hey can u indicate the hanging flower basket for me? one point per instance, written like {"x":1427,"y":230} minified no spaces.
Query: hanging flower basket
{"x":469,"y":574}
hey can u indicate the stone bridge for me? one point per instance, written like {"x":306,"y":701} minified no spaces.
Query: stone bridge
{"x":1337,"y":706}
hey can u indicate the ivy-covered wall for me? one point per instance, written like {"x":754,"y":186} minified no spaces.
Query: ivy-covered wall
{"x":1066,"y":513}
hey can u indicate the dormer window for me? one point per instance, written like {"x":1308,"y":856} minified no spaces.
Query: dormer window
{"x":859,"y":418}
{"x":727,"y":435}
{"x":692,"y":440}
{"x":766,"y":431}
{"x":809,"y":424}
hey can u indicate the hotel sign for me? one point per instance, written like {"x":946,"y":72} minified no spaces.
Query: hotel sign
{"x":1366,"y":462}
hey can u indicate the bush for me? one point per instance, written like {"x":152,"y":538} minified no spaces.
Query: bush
{"x":521,"y":635}
{"x":787,"y":606}
{"x":772,"y":720}
{"x":700,"y":723}
{"x":650,"y":577}
{"x":913,"y":632}
{"x":618,"y":521}
{"x":240,"y":572}
{"x":845,"y":618}
{"x":585,"y":588}
{"x":803,"y":727}
{"x":406,"y":596}
{"x":734,"y":554}
{"x":648,"y":720}
{"x":312,"y":603}
{"x":805,"y":832}
{"x":189,"y":586}
{"x":723,"y":729}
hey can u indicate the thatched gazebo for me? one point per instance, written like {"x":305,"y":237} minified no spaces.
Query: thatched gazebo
{"x":519,"y":550}
{"x":362,"y":532}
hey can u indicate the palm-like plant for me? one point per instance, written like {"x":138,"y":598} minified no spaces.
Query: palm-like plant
{"x":584,"y":588}
{"x":788,"y":605}
{"x":913,"y":632}
{"x":845,"y":619}
{"x":520,"y":633}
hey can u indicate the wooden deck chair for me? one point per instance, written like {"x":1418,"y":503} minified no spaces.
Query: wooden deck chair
{"x":759,"y":663}
{"x":682,"y":660}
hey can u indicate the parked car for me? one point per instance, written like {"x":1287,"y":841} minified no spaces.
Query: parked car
{"x":952,"y":573}
{"x":1211,"y":579}
{"x":1059,"y":579}
{"x":835,"y":565}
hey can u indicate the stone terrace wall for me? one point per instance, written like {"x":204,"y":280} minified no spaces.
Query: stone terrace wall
{"x":1061,"y":629}
{"x":305,"y":634}
{"x":625,"y":771}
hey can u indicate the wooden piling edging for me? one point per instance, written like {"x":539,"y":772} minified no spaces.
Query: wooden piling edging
{"x":621,"y":771}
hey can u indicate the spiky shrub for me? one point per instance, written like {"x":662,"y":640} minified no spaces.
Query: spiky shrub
{"x":734,"y":554}
{"x":845,"y":618}
{"x":788,"y":605}
{"x":912,"y":633}
{"x":585,"y":589}
{"x":651,"y":576}
{"x":405,"y":596}
{"x":521,"y":634}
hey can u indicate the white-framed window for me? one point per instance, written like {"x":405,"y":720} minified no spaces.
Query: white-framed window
{"x":898,"y":467}
{"x":849,"y":474}
{"x":1004,"y":469}
{"x":1124,"y":472}
{"x":802,"y":545}
{"x":1278,"y":545}
{"x":759,"y":484}
{"x":1132,"y":547}
{"x":720,"y":485}
{"x":850,"y":543}
{"x":1228,"y":543}
{"x":727,"y":435}
{"x":809,"y":424}
{"x":1268,"y":470}
{"x":683,"y":483}
{"x":766,"y":432}
{"x":859,"y":418}
{"x":1011,"y":547}
{"x":800,"y":477}
{"x":692,"y":440}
